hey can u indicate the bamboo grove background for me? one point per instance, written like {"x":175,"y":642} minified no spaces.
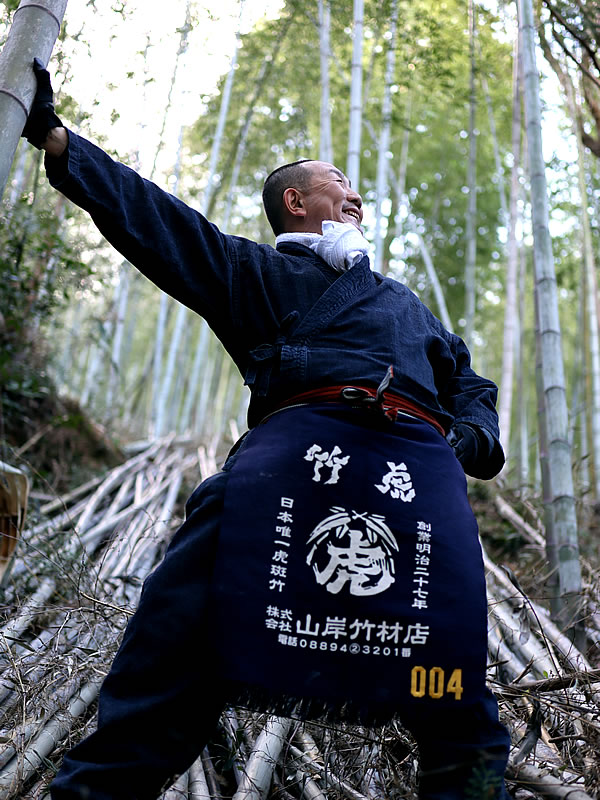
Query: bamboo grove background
{"x":472,"y":131}
{"x":438,"y":112}
{"x":421,"y":104}
{"x":418,"y":102}
{"x":438,"y":115}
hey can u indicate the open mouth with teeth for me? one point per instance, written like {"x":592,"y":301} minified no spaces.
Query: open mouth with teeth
{"x":354,"y":213}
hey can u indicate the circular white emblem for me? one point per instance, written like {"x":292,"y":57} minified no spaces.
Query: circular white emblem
{"x":354,"y":549}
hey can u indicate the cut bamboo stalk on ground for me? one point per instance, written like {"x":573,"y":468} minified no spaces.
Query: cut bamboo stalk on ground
{"x":263,"y":759}
{"x":198,"y":786}
{"x":543,"y":784}
{"x":23,"y":767}
{"x":328,"y":776}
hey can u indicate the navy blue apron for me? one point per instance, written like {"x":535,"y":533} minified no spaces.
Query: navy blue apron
{"x":349,"y":580}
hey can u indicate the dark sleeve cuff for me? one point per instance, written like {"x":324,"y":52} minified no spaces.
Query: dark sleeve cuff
{"x":490,"y":464}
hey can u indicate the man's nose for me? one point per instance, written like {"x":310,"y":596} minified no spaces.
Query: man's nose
{"x":355,"y":198}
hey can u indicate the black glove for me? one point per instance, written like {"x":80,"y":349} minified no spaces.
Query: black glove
{"x":42,"y":116}
{"x":479,"y":453}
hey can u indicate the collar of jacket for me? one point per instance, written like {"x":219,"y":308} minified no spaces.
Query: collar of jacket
{"x":302,"y":251}
{"x":297,"y":249}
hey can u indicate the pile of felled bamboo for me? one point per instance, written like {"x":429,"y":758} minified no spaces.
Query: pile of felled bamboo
{"x":76,"y":578}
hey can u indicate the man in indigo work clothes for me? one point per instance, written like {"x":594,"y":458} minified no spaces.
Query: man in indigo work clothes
{"x":332,"y":568}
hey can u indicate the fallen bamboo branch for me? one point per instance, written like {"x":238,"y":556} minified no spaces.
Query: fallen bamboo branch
{"x":211,"y":775}
{"x":64,"y":500}
{"x":327,"y":775}
{"x":238,"y":751}
{"x":561,"y":681}
{"x":263,"y":759}
{"x":510,"y":515}
{"x":530,"y":777}
{"x":113,"y":479}
{"x":198,"y":786}
{"x":179,"y":790}
{"x":309,"y":788}
{"x":11,"y":632}
{"x":20,"y":769}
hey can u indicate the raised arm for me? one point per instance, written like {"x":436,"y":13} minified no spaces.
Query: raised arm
{"x":169,"y":242}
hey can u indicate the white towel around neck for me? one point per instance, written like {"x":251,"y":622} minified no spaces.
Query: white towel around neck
{"x":341,"y":245}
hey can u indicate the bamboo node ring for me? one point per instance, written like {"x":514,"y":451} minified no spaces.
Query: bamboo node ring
{"x":39,"y":5}
{"x":18,"y":99}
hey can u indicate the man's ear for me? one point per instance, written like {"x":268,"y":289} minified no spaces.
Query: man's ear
{"x":293,"y":202}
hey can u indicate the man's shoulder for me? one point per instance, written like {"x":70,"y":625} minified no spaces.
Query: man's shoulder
{"x":289,"y":257}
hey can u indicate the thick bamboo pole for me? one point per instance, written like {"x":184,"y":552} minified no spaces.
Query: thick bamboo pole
{"x":325,"y":140}
{"x":471,"y":217}
{"x":561,"y":495}
{"x":353,"y":167}
{"x":33,"y":33}
{"x":384,"y":139}
{"x":511,"y":315}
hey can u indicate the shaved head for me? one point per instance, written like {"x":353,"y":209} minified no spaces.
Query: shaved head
{"x":293,"y":175}
{"x":298,"y":197}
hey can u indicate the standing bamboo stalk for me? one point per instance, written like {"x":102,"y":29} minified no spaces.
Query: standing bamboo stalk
{"x":384,"y":139}
{"x":493,"y":131}
{"x":592,"y":341}
{"x":325,"y":140}
{"x":355,"y":125}
{"x":400,"y":178}
{"x":242,"y":139}
{"x":433,"y":277}
{"x":471,"y":240}
{"x":166,"y":381}
{"x":181,"y":50}
{"x":200,"y":353}
{"x":223,"y":110}
{"x":162,"y":383}
{"x":95,"y":360}
{"x":115,"y":370}
{"x":522,"y":386}
{"x":159,"y":343}
{"x":591,"y":293}
{"x":511,"y":317}
{"x":562,"y":500}
{"x":33,"y":33}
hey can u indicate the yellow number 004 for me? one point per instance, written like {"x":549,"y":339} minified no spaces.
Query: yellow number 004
{"x":419,"y":683}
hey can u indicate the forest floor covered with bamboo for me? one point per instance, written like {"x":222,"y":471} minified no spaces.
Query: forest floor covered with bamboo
{"x":75,"y":580}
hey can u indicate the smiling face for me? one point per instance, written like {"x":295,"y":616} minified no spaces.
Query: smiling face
{"x":327,"y":196}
